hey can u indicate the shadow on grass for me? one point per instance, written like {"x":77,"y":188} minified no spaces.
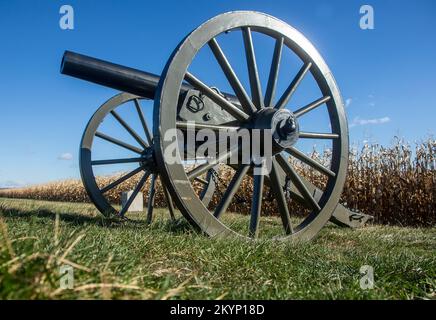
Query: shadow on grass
{"x":70,"y":217}
{"x":177,"y":226}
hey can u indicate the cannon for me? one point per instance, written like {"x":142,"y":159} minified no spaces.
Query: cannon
{"x":184,"y":102}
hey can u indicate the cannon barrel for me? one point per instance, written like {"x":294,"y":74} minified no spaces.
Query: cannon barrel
{"x":116,"y":76}
{"x":109,"y":74}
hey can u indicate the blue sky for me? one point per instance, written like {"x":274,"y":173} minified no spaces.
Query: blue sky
{"x":386,"y":75}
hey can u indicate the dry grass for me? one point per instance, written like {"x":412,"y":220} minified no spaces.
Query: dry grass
{"x":395,"y":184}
{"x":169,"y":260}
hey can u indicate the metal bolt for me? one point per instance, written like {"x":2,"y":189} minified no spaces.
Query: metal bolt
{"x":291,"y":124}
{"x":288,"y":127}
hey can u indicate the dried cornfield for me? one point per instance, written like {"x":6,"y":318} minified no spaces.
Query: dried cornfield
{"x":395,"y":184}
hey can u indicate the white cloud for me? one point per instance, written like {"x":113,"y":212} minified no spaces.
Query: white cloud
{"x":348,"y":102}
{"x":65,"y":156}
{"x":11,"y":184}
{"x":363,"y":122}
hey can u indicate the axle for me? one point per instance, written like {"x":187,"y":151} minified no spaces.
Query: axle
{"x":116,"y":76}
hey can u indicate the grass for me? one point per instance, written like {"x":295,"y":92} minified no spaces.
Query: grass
{"x":169,"y":260}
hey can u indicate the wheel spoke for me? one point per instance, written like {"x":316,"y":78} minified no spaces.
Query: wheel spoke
{"x":218,"y":144}
{"x":274,"y":73}
{"x":169,"y":202}
{"x":143,"y":122}
{"x":129,"y":129}
{"x":118,"y":142}
{"x":280,"y":197}
{"x":311,"y":106}
{"x":215,"y":97}
{"x":311,"y":162}
{"x":198,"y":171}
{"x":231,"y":190}
{"x":134,"y":194}
{"x":202,"y":181}
{"x":236,"y":85}
{"x":256,"y":205}
{"x":151,"y":195}
{"x":296,"y":180}
{"x":284,"y":99}
{"x":120,"y":180}
{"x":316,"y":135}
{"x":256,"y":90}
{"x":115,"y":161}
{"x":199,"y":126}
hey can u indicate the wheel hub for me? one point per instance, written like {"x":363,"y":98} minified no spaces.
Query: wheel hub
{"x":283,"y":125}
{"x":148,"y":161}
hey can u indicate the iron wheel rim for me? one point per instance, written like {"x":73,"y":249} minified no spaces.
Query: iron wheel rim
{"x":172,"y":77}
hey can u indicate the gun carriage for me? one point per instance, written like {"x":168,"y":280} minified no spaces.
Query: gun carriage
{"x":181,"y":99}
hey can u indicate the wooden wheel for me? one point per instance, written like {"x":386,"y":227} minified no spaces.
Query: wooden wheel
{"x":117,"y":141}
{"x":256,"y":111}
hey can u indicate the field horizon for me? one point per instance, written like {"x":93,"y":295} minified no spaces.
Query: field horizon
{"x":395,"y":184}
